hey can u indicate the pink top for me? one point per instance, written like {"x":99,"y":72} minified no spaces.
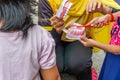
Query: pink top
{"x":21,"y":59}
{"x":115,"y":34}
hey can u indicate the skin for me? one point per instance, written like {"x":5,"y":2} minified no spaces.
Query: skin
{"x":115,"y":49}
{"x":57,"y":23}
{"x":50,"y":74}
{"x":98,"y":21}
{"x":96,"y":6}
{"x":92,"y":6}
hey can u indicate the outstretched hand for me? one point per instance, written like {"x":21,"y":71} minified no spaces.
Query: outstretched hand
{"x":87,"y":42}
{"x":100,"y":21}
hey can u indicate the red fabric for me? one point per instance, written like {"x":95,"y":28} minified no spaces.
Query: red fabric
{"x":112,"y":17}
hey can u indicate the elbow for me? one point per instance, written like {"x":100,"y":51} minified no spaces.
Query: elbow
{"x":58,"y":78}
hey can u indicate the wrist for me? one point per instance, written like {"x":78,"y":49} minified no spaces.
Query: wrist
{"x":106,"y":9}
{"x":111,"y":17}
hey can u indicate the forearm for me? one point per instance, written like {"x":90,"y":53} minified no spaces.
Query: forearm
{"x":116,"y":15}
{"x":50,"y":74}
{"x":109,"y":48}
{"x":106,"y":10}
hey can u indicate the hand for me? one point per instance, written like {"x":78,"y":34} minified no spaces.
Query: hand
{"x":57,"y":23}
{"x":100,"y":21}
{"x":87,"y":42}
{"x":94,"y":6}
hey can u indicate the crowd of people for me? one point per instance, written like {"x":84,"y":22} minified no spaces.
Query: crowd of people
{"x":29,"y":52}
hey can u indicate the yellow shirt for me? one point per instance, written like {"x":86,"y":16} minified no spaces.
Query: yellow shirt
{"x":77,"y":14}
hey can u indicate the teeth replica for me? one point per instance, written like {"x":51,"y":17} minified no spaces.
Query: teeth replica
{"x":64,"y":8}
{"x":75,"y":32}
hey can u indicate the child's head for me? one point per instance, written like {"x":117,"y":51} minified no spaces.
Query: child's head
{"x":15,"y":15}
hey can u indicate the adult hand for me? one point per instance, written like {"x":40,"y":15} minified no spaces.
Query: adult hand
{"x":57,"y":23}
{"x":100,"y":21}
{"x":94,"y":6}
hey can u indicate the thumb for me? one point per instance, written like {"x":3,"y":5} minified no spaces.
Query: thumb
{"x":83,"y":42}
{"x":84,"y":39}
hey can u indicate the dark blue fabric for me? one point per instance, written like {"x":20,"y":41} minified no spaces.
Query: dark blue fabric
{"x":118,"y":1}
{"x":111,"y":67}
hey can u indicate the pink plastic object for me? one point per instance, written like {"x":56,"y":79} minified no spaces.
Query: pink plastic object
{"x":64,"y":8}
{"x":94,"y":74}
{"x":75,"y":32}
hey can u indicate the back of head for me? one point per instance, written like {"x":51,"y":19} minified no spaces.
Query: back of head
{"x":15,"y":15}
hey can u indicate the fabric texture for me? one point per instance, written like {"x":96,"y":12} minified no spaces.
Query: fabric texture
{"x":115,"y":34}
{"x":22,"y":58}
{"x":72,"y":57}
{"x":111,"y":66}
{"x":77,"y":14}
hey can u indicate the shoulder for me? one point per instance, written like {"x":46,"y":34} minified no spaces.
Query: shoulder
{"x":41,"y":32}
{"x":38,"y":30}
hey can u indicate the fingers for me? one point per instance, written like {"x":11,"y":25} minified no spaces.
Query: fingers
{"x":89,"y":7}
{"x":94,"y":22}
{"x":57,"y":23}
{"x":52,"y":19}
{"x":94,"y":6}
{"x":83,"y":40}
{"x":99,"y":5}
{"x":98,"y":21}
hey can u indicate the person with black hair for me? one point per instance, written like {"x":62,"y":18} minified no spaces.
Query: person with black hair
{"x":25,"y":48}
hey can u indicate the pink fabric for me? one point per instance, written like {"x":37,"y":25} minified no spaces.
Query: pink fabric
{"x":94,"y":74}
{"x":115,"y":34}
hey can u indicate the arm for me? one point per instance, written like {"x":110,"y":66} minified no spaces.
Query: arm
{"x":46,"y":18}
{"x":115,"y":49}
{"x":50,"y":74}
{"x":47,"y":57}
{"x":98,"y":21}
{"x":116,"y":15}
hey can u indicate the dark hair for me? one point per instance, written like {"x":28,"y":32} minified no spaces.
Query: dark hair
{"x":15,"y":15}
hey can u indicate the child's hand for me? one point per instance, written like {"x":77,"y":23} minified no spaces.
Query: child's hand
{"x":57,"y":23}
{"x":87,"y":42}
{"x":100,"y":21}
